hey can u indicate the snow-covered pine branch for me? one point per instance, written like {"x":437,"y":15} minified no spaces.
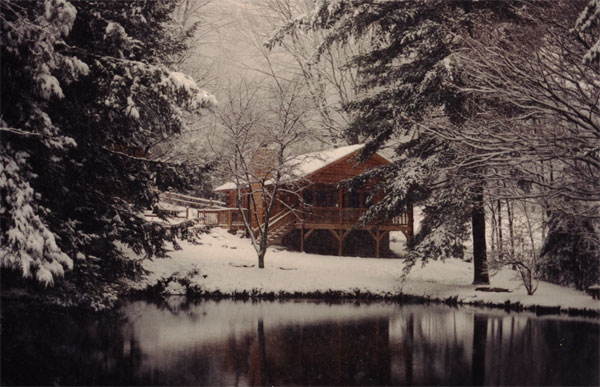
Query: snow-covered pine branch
{"x":83,"y":85}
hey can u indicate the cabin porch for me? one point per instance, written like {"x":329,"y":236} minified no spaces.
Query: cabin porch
{"x":298,"y":226}
{"x":342,"y":223}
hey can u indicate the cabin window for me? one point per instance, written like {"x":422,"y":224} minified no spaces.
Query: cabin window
{"x":307,"y":195}
{"x":354,"y":200}
{"x":334,"y":198}
{"x":321,"y":198}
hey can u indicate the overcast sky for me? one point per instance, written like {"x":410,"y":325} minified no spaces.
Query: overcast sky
{"x":229,"y":49}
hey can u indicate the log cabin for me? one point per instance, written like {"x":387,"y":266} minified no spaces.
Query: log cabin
{"x":317,"y":215}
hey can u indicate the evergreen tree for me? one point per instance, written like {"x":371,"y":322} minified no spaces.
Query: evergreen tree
{"x":571,"y":252}
{"x":87,"y":89}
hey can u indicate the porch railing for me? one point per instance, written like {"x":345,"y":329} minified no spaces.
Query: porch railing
{"x":231,"y":217}
{"x":331,"y":215}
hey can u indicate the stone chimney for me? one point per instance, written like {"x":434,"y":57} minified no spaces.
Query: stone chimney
{"x":263,"y":161}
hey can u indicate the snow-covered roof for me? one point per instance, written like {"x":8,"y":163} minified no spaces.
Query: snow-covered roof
{"x":226,"y":186}
{"x":306,"y":164}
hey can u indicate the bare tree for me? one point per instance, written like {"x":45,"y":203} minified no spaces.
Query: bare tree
{"x":329,"y":81}
{"x":543,"y":128}
{"x":258,"y":128}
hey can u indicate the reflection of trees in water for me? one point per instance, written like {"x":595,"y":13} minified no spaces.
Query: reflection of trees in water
{"x":418,"y":345}
{"x":501,"y":349}
{"x":478,"y":366}
{"x":259,"y":370}
{"x":49,"y":346}
{"x":530,"y":351}
{"x":331,"y":353}
{"x":426,"y":350}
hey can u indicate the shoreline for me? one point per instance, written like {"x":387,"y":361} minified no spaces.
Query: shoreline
{"x":335,"y":296}
{"x":157,"y":293}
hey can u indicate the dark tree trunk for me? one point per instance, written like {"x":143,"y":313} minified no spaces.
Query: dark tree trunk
{"x":511,"y":233}
{"x":261,"y":257}
{"x":499,"y":225}
{"x":494,"y":228}
{"x":262,"y":247}
{"x":479,"y":244}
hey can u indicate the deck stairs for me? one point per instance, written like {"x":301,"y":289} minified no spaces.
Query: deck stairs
{"x":280,"y":227}
{"x":276,"y":237}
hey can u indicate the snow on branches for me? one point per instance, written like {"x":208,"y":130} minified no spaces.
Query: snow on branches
{"x":587,"y":20}
{"x":87,"y":87}
{"x":28,"y":245}
{"x":196,"y":98}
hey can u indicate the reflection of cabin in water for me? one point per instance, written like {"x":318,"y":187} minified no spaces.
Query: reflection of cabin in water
{"x":319,"y":216}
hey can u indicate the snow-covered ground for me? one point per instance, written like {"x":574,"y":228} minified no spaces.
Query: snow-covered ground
{"x":228,"y":264}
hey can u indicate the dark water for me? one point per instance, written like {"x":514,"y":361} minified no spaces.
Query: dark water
{"x":296,"y":343}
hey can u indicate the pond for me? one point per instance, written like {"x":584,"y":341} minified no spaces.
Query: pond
{"x":181,"y":342}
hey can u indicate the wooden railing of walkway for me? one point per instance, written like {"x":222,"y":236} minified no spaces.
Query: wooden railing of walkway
{"x":189,"y":201}
{"x":186,"y":204}
{"x":229,"y":218}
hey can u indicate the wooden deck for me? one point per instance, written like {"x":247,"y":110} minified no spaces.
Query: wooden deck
{"x":340,"y":222}
{"x":316,"y":217}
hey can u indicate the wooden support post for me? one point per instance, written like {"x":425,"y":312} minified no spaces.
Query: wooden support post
{"x":230,"y":218}
{"x":341,"y":211}
{"x":304,"y":236}
{"x":187,"y":212}
{"x":340,"y":238}
{"x":411,"y":221}
{"x":378,"y":237}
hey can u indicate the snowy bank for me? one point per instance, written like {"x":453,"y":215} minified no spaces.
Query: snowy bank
{"x":224,"y":264}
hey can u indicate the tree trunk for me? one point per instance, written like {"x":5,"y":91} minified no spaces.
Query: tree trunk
{"x":261,"y":256}
{"x":493,"y":232}
{"x":499,"y":225}
{"x":479,"y":244}
{"x":511,"y":232}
